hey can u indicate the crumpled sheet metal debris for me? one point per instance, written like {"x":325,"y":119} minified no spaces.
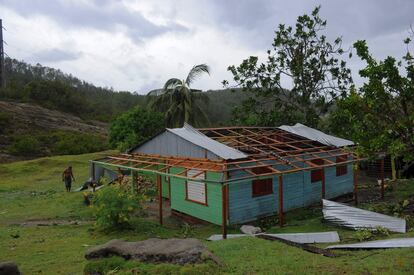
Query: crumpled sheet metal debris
{"x":344,"y":215}
{"x":314,"y":237}
{"x":380,"y":244}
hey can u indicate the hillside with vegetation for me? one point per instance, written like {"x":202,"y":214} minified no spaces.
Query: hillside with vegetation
{"x":44,"y":111}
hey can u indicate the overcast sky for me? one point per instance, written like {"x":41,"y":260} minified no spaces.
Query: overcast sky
{"x":138,"y":45}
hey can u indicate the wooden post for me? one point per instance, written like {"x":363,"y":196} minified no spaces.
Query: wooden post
{"x":93,"y":172}
{"x":382,"y":178}
{"x":134,"y":181}
{"x":393,"y":169}
{"x":224,"y":211}
{"x":281,"y":218}
{"x":323,"y":183}
{"x":159,"y":184}
{"x":356,"y":184}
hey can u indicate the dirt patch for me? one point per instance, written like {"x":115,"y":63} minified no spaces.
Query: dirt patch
{"x":32,"y":223}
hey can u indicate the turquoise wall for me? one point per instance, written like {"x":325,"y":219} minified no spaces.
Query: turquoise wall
{"x":298,"y":191}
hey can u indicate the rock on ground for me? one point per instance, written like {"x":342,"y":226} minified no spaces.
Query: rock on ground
{"x":177,"y":251}
{"x":9,"y":268}
{"x":250,"y":229}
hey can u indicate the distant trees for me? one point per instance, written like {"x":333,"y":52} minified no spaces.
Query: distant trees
{"x":380,"y":115}
{"x":54,"y":89}
{"x":179,"y":102}
{"x":302,"y":57}
{"x":133,"y":127}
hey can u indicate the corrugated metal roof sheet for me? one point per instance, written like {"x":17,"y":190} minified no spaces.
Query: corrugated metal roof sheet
{"x":380,"y":244}
{"x":316,"y":135}
{"x":194,"y":136}
{"x":356,"y":218}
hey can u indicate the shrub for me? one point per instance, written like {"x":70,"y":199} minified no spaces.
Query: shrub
{"x":368,"y":234}
{"x":4,"y":121}
{"x":114,"y":205}
{"x":25,"y":146}
{"x":134,"y":127}
{"x":70,"y":143}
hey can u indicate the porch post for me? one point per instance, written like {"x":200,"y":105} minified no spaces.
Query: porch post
{"x":281,"y":217}
{"x":224,"y":210}
{"x":134,"y":181}
{"x":356,"y":184}
{"x":382,"y":178}
{"x":93,"y":171}
{"x":159,"y":197}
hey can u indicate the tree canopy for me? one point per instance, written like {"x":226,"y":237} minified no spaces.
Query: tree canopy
{"x":133,"y":127}
{"x":380,"y":115}
{"x":299,"y":80}
{"x":179,"y":102}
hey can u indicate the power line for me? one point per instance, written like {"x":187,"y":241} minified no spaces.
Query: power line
{"x":2,"y":68}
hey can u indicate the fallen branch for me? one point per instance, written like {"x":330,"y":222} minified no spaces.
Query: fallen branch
{"x":309,"y":248}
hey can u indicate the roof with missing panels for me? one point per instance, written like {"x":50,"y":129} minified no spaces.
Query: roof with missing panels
{"x":235,"y":151}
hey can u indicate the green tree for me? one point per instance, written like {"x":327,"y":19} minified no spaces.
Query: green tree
{"x":179,"y":102}
{"x":133,"y":127}
{"x":299,"y":80}
{"x":380,"y":116}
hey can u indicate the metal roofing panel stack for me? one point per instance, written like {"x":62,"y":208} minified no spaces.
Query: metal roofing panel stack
{"x":356,"y":218}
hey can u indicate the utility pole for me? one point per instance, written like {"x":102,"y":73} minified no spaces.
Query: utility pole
{"x":2,"y":69}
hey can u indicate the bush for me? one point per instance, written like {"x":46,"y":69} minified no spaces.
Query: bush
{"x":25,"y":146}
{"x":114,"y":205}
{"x":4,"y":121}
{"x":368,"y":234}
{"x":133,"y":127}
{"x":71,"y":143}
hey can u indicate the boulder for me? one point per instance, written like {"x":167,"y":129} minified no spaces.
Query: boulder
{"x":177,"y":251}
{"x":9,"y":268}
{"x":250,"y":229}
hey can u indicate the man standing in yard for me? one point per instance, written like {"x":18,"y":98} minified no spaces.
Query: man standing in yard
{"x":67,"y":177}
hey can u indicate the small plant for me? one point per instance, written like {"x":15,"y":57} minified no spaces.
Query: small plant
{"x":187,"y":230}
{"x":267,"y":222}
{"x":87,"y":198}
{"x":364,"y":235}
{"x":114,"y":205}
{"x":367,"y":234}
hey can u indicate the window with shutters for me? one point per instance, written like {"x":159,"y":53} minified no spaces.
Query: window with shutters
{"x":196,"y":191}
{"x":262,"y":187}
{"x":341,"y":169}
{"x":317,"y":175}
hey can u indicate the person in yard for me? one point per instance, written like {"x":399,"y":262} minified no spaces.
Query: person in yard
{"x":67,"y":177}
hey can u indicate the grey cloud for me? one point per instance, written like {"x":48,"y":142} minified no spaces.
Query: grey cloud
{"x":102,"y":15}
{"x":55,"y":55}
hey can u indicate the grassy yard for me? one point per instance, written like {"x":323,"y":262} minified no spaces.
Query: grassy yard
{"x":32,"y":190}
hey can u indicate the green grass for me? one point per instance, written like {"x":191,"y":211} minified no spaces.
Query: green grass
{"x":32,"y":190}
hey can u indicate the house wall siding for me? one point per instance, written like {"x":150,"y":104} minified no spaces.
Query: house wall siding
{"x":298,"y":191}
{"x":212,"y":212}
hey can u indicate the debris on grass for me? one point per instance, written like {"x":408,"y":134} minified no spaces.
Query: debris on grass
{"x":379,"y":244}
{"x":355,"y":218}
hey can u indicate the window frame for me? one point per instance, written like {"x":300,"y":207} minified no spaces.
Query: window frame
{"x":205,"y":203}
{"x":268,"y":191}
{"x":317,"y":174}
{"x":260,"y":182}
{"x":342,"y":169}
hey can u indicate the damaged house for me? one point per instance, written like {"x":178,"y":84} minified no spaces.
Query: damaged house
{"x":233,"y":175}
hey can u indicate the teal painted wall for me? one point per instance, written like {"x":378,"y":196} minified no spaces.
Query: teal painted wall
{"x":298,"y":191}
{"x":211,"y":213}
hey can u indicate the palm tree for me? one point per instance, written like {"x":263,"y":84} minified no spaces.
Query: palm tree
{"x":179,"y":102}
